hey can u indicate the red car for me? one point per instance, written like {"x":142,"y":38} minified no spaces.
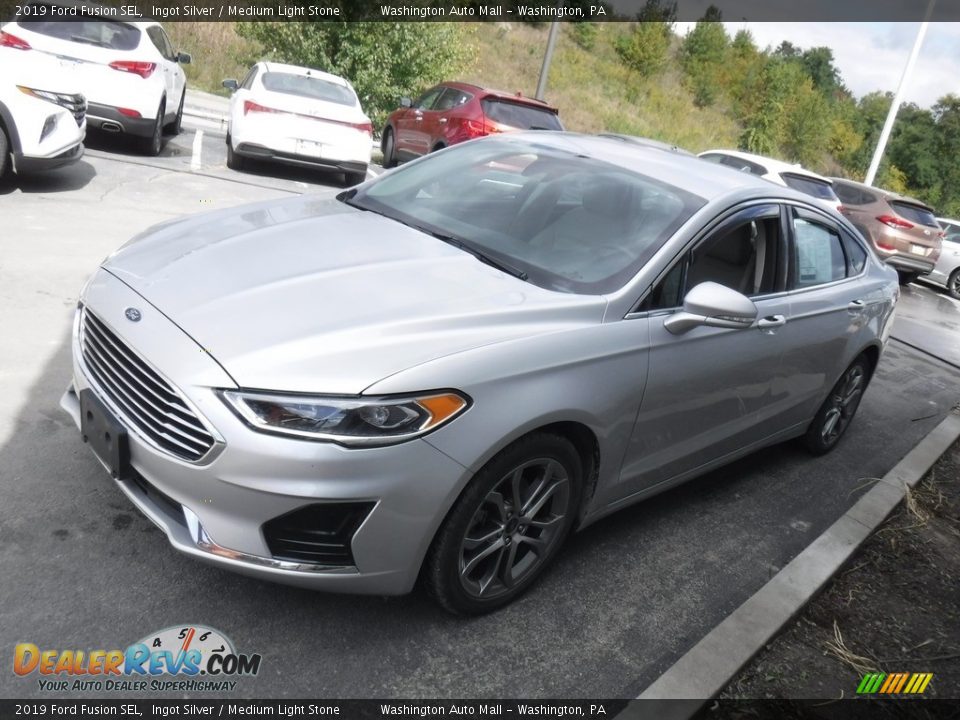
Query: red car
{"x":453,"y":112}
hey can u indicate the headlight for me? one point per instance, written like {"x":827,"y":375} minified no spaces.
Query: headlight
{"x":347,"y":420}
{"x":40,"y":94}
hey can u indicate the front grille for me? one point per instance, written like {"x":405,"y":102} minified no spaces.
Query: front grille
{"x":146,"y":399}
{"x":75,"y":104}
{"x":319,"y":533}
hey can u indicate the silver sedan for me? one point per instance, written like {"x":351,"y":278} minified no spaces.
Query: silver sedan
{"x":441,"y":373}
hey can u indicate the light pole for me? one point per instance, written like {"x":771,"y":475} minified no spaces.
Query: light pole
{"x":898,"y":98}
{"x":548,"y":55}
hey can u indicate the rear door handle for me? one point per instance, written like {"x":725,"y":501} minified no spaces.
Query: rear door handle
{"x":442,"y":120}
{"x":856,"y":306}
{"x":772,"y":321}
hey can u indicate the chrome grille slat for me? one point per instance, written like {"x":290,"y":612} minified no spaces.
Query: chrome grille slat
{"x":132,"y":373}
{"x":129,"y":395}
{"x":146,"y":398}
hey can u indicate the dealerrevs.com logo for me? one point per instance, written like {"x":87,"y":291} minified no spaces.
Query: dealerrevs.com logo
{"x":177,"y":659}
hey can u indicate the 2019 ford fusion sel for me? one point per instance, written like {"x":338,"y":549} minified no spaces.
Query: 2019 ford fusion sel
{"x":441,"y":373}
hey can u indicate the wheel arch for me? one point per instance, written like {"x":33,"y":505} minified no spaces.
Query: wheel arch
{"x":10,"y":127}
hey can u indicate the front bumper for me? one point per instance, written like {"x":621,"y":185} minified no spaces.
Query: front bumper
{"x":32,"y":164}
{"x":216,"y":509}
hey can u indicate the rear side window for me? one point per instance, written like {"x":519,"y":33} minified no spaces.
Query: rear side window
{"x":951,"y":231}
{"x":856,"y":255}
{"x":450,"y":99}
{"x":309,"y":87}
{"x":99,"y":33}
{"x":160,"y":42}
{"x":522,"y":117}
{"x":852,"y":195}
{"x":914,"y":213}
{"x":817,"y":254}
{"x":810,"y":186}
{"x":744,"y":165}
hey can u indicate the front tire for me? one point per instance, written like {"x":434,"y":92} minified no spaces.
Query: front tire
{"x":953,"y":283}
{"x":153,"y":144}
{"x":507,"y":526}
{"x":834,"y":416}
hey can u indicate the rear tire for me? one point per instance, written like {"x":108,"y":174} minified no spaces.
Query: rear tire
{"x":388,"y":146}
{"x":4,"y":151}
{"x":907,"y":277}
{"x":953,"y":283}
{"x":835,"y":415}
{"x":506,"y":527}
{"x":234,"y":161}
{"x":151,"y":146}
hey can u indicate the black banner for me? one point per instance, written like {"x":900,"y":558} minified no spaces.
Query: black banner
{"x":849,"y":709}
{"x":482,"y":10}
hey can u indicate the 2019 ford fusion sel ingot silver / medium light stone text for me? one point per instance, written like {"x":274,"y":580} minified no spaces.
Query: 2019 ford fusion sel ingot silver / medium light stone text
{"x":441,"y":373}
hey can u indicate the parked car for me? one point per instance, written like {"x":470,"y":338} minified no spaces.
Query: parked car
{"x":453,"y":112}
{"x":779,"y":172}
{"x":440,"y":373}
{"x":128,"y":71}
{"x":42,"y":118}
{"x":300,"y":116}
{"x":903,"y":230}
{"x":947,"y":270}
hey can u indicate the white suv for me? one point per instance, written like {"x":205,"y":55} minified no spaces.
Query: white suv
{"x":779,"y":172}
{"x":42,"y":118}
{"x":128,"y":71}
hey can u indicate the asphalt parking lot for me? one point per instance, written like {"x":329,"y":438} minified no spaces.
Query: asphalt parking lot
{"x":82,"y":568}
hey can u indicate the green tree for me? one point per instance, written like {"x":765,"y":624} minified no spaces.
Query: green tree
{"x":382,"y":60}
{"x":819,"y":65}
{"x":646,"y":48}
{"x":702,"y":56}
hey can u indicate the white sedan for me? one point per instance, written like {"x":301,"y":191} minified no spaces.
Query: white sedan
{"x":299,"y":116}
{"x":947,"y":270}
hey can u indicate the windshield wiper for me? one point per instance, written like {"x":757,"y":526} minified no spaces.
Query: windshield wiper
{"x":478,"y":254}
{"x":347,"y":196}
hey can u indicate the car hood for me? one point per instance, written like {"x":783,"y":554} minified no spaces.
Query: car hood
{"x":311,"y":295}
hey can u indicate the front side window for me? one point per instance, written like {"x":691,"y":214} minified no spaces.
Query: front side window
{"x":426,"y":101}
{"x":818,"y":256}
{"x":572,"y":223}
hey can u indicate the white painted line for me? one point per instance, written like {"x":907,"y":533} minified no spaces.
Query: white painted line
{"x":710,"y":665}
{"x":371,"y":173}
{"x":195,"y":160}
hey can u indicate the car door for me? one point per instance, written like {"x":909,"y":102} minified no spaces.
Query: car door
{"x":712,"y":392}
{"x":830,"y":309}
{"x":413,"y":138}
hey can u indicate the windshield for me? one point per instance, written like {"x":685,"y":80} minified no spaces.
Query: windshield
{"x":570,"y":222}
{"x":811,"y":186}
{"x":309,"y":87}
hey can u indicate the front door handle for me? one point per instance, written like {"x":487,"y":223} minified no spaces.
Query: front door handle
{"x":771,"y":321}
{"x":442,"y":120}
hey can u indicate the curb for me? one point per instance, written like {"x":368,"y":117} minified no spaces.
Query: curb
{"x":709,"y":666}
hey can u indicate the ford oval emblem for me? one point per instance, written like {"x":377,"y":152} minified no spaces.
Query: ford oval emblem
{"x":133,"y":315}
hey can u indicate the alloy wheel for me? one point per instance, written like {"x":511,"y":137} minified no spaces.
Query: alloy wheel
{"x":515,"y":528}
{"x":843,"y":404}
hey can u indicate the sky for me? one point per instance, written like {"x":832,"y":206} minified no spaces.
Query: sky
{"x":872,"y":56}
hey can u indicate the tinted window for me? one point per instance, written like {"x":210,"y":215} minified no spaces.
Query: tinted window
{"x":160,"y":42}
{"x":712,"y":158}
{"x":522,"y":117}
{"x":450,"y":99}
{"x":100,"y":33}
{"x":847,"y":193}
{"x":950,"y":230}
{"x":856,"y":254}
{"x":248,"y":81}
{"x":817,"y":254}
{"x":574,"y":224}
{"x":914,"y":213}
{"x":427,"y":100}
{"x":309,"y":87}
{"x":810,"y":186}
{"x":744,"y":165}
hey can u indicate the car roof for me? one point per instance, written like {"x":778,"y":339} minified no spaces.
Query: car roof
{"x":887,"y":194}
{"x":772,"y":164}
{"x":648,"y":142}
{"x":141,"y":24}
{"x":304,"y":71}
{"x":515,"y":96}
{"x":685,"y":172}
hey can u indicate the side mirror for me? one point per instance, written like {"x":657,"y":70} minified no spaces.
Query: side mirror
{"x":406,"y":102}
{"x":184,"y":58}
{"x":231,"y":85}
{"x":712,"y":305}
